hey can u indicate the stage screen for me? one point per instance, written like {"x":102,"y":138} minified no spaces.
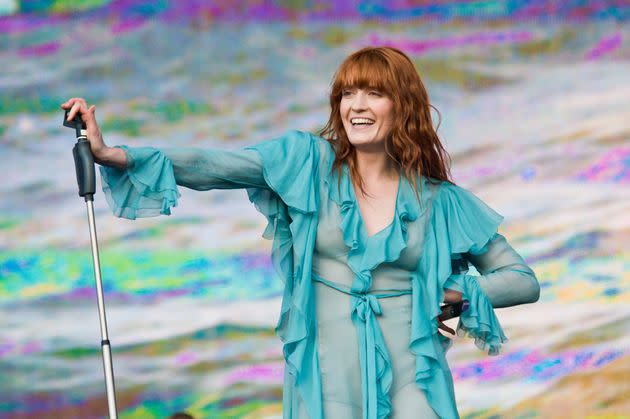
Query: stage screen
{"x":534,"y":109}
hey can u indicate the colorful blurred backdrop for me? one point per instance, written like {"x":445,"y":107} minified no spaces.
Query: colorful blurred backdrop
{"x":535,"y":105}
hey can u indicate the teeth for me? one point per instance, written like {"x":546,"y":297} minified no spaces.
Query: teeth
{"x":356,"y":121}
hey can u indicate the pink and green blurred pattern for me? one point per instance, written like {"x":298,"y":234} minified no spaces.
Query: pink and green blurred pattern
{"x":535,"y":100}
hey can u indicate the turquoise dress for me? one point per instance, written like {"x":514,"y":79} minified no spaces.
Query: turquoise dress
{"x":358,"y":317}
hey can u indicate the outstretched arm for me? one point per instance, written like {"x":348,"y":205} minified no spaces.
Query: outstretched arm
{"x":194,"y":168}
{"x":147,"y":186}
{"x":216,"y":169}
{"x":505,"y":277}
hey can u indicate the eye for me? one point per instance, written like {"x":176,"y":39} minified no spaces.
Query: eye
{"x":375,"y":93}
{"x":347,"y":92}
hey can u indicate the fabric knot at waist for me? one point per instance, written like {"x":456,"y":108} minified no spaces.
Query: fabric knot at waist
{"x":376,"y":371}
{"x":366,"y":305}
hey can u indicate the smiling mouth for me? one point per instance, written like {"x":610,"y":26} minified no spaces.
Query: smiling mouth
{"x":361,"y":121}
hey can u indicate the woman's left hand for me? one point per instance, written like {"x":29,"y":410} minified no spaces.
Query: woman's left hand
{"x":450,"y":296}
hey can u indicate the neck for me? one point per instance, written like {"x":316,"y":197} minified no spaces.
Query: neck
{"x":375,"y":165}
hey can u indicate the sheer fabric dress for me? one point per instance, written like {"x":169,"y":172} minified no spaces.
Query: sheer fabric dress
{"x":358,"y":318}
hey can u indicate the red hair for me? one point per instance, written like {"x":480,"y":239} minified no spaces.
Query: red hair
{"x":413,"y":143}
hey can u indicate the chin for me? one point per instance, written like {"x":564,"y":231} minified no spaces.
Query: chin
{"x":359,"y":141}
{"x":366,"y":142}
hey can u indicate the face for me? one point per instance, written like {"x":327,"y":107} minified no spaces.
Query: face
{"x":367,"y":117}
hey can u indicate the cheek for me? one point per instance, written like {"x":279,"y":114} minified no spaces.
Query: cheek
{"x":387,"y":116}
{"x":386,"y":112}
{"x":343,"y":108}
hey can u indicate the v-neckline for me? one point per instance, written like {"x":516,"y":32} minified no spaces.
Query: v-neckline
{"x":363,"y":225}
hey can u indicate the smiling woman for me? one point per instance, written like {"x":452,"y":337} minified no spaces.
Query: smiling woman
{"x":370,"y":237}
{"x":384,"y":82}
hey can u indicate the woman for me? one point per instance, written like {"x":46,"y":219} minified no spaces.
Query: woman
{"x":370,"y":236}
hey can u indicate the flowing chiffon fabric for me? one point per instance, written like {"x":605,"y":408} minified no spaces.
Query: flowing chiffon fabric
{"x":296,"y":190}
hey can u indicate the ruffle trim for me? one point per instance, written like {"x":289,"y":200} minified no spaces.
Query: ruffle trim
{"x":291,"y":170}
{"x":146,"y":188}
{"x":459,"y":222}
{"x":479,"y":321}
{"x":366,"y":253}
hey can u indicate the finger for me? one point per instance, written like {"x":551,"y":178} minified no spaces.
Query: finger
{"x":88,"y":115}
{"x":90,"y":123}
{"x":77,"y":107}
{"x":92,"y":126}
{"x":67,"y":103}
{"x":73,"y":110}
{"x":70,"y":102}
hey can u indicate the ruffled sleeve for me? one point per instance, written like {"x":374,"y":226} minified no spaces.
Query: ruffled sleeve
{"x":458,"y":223}
{"x":146,"y":188}
{"x":465,"y":224}
{"x":291,"y":166}
{"x":470,"y":226}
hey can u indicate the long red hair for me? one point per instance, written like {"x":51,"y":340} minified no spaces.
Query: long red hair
{"x":413,"y":143}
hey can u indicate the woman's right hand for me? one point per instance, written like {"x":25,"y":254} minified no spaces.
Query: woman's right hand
{"x":102,"y":153}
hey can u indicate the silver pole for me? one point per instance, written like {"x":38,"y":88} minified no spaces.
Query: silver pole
{"x":86,"y":180}
{"x":105,"y":344}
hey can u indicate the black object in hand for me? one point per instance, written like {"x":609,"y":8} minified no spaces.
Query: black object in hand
{"x":453,"y":310}
{"x":76,"y":122}
{"x":83,"y":159}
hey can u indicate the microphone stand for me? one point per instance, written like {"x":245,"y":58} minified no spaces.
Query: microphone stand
{"x":86,"y":179}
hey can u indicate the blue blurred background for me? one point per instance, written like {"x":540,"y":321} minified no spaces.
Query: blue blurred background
{"x":535,"y":104}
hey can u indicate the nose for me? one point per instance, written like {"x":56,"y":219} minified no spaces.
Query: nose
{"x":359,"y":102}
